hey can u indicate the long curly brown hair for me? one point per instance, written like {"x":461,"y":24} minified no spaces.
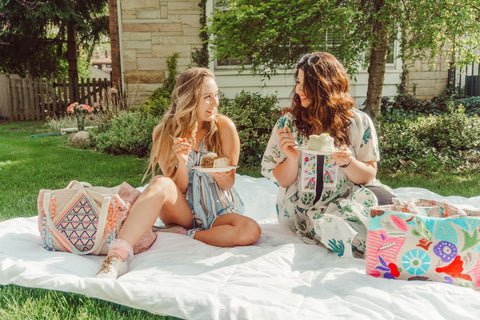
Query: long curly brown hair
{"x":326,"y":85}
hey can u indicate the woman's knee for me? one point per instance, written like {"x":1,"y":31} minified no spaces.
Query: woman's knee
{"x":160,"y":184}
{"x":248,"y":232}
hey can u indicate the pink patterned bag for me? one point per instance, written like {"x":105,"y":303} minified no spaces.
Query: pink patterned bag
{"x":84,"y":220}
{"x":424,"y":240}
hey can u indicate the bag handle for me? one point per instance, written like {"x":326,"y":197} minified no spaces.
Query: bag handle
{"x":103,"y":213}
{"x":73,"y":183}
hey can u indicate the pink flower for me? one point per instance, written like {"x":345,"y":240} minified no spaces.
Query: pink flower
{"x":79,"y":109}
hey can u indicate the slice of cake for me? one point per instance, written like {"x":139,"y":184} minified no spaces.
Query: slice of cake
{"x":212,"y":160}
{"x":321,"y":143}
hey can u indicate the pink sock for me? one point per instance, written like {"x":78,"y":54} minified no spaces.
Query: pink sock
{"x":120,"y":248}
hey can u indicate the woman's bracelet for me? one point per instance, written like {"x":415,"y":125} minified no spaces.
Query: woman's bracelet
{"x":346,"y":165}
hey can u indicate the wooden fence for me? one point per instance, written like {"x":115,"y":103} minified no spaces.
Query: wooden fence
{"x":37,"y":99}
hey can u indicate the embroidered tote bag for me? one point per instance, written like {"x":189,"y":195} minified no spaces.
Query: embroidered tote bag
{"x":83,"y":219}
{"x":424,"y":240}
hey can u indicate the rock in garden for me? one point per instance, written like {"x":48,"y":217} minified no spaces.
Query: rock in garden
{"x":79,"y":139}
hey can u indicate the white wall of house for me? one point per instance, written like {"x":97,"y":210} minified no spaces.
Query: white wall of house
{"x":230,"y":82}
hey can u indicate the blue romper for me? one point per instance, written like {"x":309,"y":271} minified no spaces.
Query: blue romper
{"x":207,"y":200}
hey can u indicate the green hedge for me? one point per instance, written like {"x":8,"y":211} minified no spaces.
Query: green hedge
{"x":411,"y":136}
{"x":126,"y":133}
{"x":254,"y":116}
{"x":449,"y":140}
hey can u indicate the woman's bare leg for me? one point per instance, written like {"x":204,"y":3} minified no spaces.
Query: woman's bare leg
{"x":161,"y":199}
{"x":231,"y":230}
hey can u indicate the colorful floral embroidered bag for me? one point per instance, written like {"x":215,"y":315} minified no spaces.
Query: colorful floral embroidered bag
{"x":425,"y":240}
{"x":83,"y":219}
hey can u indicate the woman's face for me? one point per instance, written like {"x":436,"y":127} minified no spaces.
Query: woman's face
{"x":305,"y":101}
{"x":208,"y":103}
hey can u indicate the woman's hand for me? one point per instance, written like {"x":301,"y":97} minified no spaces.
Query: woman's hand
{"x":286,"y":172}
{"x":343,"y":157}
{"x":287,"y":143}
{"x":182,"y":149}
{"x":224,"y":179}
{"x":357,"y":171}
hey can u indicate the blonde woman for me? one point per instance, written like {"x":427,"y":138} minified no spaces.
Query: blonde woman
{"x":201,"y":205}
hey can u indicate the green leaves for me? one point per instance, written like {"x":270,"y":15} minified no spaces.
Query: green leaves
{"x":33,"y":33}
{"x":254,"y":116}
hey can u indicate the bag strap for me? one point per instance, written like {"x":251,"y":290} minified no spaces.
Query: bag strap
{"x":103,"y":213}
{"x":102,"y":219}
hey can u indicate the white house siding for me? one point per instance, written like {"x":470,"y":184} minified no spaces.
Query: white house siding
{"x":231,"y":83}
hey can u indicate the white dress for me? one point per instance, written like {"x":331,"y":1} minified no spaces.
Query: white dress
{"x":325,"y":207}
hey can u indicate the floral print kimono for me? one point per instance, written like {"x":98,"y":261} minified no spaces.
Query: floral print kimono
{"x":323,"y":206}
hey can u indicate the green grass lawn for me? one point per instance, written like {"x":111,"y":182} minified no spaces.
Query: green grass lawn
{"x":29,"y":164}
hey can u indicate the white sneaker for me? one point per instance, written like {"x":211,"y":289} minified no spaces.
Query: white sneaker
{"x":112,"y":267}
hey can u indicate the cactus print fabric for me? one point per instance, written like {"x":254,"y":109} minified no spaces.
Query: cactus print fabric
{"x":341,"y":212}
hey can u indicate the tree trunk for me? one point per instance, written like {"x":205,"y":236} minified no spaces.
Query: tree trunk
{"x":378,"y":60}
{"x":116,"y":75}
{"x":72,"y":63}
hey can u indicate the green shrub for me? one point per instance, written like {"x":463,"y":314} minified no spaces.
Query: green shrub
{"x":471,"y":105}
{"x":126,"y":133}
{"x":431,"y":142}
{"x":159,"y":101}
{"x":254,"y":117}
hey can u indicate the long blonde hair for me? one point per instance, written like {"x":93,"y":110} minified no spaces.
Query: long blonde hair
{"x":181,"y":121}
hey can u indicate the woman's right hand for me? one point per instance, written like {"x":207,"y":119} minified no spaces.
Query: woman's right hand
{"x":182,"y":149}
{"x":286,"y":172}
{"x":287,"y":143}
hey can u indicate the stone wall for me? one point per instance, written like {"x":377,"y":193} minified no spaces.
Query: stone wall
{"x":425,"y":80}
{"x":151,"y":32}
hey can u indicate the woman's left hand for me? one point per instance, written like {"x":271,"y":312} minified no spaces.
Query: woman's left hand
{"x":224,"y":179}
{"x":343,"y":156}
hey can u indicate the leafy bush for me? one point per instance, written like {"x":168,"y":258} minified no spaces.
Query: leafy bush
{"x":408,"y":105}
{"x":126,"y":133}
{"x":471,"y":105}
{"x":254,"y":117}
{"x":159,"y":101}
{"x":431,"y":142}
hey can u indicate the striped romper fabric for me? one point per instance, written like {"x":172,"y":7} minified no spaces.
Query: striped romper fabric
{"x":207,"y":200}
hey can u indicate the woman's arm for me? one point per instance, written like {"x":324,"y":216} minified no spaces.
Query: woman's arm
{"x":231,"y":147}
{"x":357,"y":171}
{"x":286,"y":172}
{"x":182,"y":149}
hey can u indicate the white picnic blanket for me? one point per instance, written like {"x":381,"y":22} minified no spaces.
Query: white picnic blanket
{"x":280,"y":277}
